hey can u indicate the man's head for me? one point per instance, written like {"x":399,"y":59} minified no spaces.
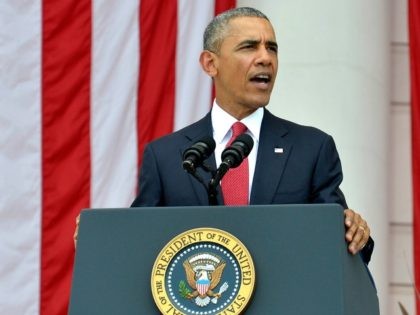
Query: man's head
{"x":217,"y":28}
{"x":240,"y":54}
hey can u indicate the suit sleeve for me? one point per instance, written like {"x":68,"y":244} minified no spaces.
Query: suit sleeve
{"x":328,"y":175}
{"x":150,"y":188}
{"x":327,"y":178}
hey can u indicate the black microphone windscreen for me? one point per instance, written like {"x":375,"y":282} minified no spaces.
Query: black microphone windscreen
{"x":247,"y":141}
{"x":209,"y":141}
{"x":197,"y":153}
{"x":238,"y":150}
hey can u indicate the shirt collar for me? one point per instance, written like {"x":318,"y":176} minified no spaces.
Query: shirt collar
{"x":222,"y":122}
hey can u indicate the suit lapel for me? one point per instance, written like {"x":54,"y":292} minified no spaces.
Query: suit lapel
{"x":194,"y":133}
{"x":273,"y":152}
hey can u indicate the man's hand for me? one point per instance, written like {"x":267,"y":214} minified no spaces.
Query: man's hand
{"x":358,"y":231}
{"x":76,"y":230}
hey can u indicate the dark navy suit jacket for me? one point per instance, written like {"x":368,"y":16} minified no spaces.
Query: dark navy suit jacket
{"x":307,"y":171}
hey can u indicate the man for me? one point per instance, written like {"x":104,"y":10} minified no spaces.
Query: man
{"x":288,"y":164}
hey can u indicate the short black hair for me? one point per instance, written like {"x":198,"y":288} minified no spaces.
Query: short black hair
{"x":215,"y":31}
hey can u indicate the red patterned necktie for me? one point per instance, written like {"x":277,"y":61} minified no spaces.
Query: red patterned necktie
{"x":235,"y":184}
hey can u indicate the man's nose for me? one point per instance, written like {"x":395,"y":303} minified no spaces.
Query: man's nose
{"x":265,"y":56}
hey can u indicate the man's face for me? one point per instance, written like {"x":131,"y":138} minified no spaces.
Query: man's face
{"x":246,"y":66}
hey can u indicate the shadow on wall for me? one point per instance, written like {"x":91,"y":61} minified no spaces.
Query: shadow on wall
{"x":403,"y":310}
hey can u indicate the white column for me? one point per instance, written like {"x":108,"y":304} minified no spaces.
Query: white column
{"x":334,"y":74}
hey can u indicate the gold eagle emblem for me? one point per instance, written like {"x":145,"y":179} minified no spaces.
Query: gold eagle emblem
{"x":203,"y":272}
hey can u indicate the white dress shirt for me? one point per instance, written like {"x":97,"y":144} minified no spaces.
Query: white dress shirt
{"x":222,"y":123}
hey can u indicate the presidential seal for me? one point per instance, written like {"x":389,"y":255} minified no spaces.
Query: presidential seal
{"x":203,"y":271}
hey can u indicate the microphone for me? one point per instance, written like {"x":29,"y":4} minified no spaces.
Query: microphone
{"x":195,"y":155}
{"x":238,"y":150}
{"x":233,"y":156}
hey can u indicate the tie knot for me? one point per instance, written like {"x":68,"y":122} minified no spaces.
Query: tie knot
{"x":238,"y":128}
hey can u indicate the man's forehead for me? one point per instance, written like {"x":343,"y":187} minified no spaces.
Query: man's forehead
{"x":251,"y":28}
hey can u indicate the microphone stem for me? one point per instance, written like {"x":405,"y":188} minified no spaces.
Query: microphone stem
{"x":221,"y":171}
{"x":212,"y":194}
{"x":215,"y":181}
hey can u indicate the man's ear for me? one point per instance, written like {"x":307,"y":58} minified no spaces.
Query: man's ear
{"x":208,"y":61}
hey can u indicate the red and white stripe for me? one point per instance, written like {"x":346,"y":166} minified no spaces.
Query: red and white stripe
{"x":84,"y":85}
{"x":203,"y":288}
{"x":414,"y":31}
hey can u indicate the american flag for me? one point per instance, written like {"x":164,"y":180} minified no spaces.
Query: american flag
{"x":84,"y":85}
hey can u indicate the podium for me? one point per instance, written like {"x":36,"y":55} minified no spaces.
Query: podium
{"x":301,"y":261}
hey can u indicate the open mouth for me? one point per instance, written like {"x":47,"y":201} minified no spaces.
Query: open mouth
{"x":261,"y":78}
